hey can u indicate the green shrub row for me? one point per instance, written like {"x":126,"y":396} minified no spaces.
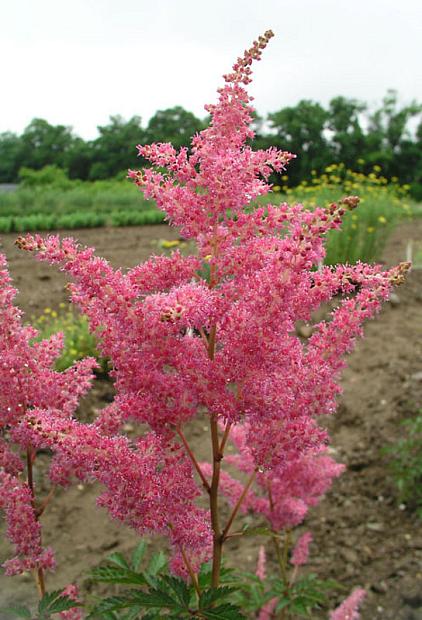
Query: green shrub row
{"x":79,"y":219}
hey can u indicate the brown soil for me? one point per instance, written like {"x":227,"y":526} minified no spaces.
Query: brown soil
{"x":361,"y":535}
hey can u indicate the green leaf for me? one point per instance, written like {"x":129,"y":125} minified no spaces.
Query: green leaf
{"x":115,"y":574}
{"x":138,"y":555}
{"x":208,"y":597}
{"x":113,"y":603}
{"x":17,"y":610}
{"x":54,"y":602}
{"x":223,"y":612}
{"x":108,"y":615}
{"x":179,"y":587}
{"x":227,"y":575}
{"x":157,"y":563}
{"x":155,"y":599}
{"x":133,"y":613}
{"x":258,"y":531}
{"x":119,"y":559}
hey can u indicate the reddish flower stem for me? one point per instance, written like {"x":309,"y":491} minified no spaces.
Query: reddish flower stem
{"x":225,"y":437}
{"x":191,"y":572}
{"x":238,"y":505}
{"x":193,"y":459}
{"x":215,"y":517}
{"x":38,"y":572}
{"x":43,"y":505}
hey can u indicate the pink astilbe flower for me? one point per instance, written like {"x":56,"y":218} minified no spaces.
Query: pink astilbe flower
{"x":153,"y":319}
{"x":148,"y":484}
{"x":75,"y":613}
{"x":28,"y":380}
{"x":23,"y":528}
{"x":348,"y":610}
{"x":268,"y":611}
{"x":232,"y":489}
{"x":261,"y":564}
{"x":301,"y":550}
{"x":215,"y":334}
{"x":283,"y":494}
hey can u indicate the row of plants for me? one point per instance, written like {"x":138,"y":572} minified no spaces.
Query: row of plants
{"x":79,"y":219}
{"x":206,"y":338}
{"x":77,"y":204}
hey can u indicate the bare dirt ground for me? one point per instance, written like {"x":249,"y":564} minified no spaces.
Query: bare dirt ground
{"x":361,"y":536}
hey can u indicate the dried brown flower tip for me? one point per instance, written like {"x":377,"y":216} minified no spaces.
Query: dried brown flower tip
{"x":351,"y":202}
{"x":399,"y":273}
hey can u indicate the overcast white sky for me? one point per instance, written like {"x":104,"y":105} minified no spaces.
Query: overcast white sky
{"x":76,"y":62}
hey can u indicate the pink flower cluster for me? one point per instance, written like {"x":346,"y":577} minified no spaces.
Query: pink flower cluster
{"x":284,"y":493}
{"x":28,"y":381}
{"x":212,"y":334}
{"x":148,"y":483}
{"x":348,"y":610}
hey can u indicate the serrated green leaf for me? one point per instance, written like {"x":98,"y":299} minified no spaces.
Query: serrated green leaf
{"x":223,"y":612}
{"x":118,"y":559}
{"x":133,"y":613}
{"x":153,"y":599}
{"x":208,"y":597}
{"x":138,"y":555}
{"x":156,"y":599}
{"x":157,"y":563}
{"x":282,"y":603}
{"x":116,"y":574}
{"x":109,"y":615}
{"x":105,"y":615}
{"x":179,"y":587}
{"x":113,"y":603}
{"x":17,"y":610}
{"x":205,"y":575}
{"x":54,"y":602}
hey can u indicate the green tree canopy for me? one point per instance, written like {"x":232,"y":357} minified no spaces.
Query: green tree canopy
{"x":45,"y":144}
{"x":300,"y":129}
{"x":175,"y":125}
{"x":115,"y":148}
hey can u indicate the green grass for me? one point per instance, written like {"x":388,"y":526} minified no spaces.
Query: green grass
{"x":406,"y":463}
{"x":79,"y":342}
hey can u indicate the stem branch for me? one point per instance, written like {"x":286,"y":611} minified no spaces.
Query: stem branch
{"x":191,"y":573}
{"x":225,"y":437}
{"x":193,"y":459}
{"x":215,"y":518}
{"x":38,"y":572}
{"x":238,"y":505}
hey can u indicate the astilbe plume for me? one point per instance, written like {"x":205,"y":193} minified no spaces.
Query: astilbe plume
{"x":283,"y":494}
{"x":215,"y":334}
{"x":301,"y":551}
{"x":28,"y":382}
{"x":348,"y":610}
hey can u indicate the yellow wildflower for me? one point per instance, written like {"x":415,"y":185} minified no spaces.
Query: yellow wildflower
{"x":167,"y":243}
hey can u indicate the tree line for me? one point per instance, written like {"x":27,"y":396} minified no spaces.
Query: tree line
{"x":346,"y":131}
